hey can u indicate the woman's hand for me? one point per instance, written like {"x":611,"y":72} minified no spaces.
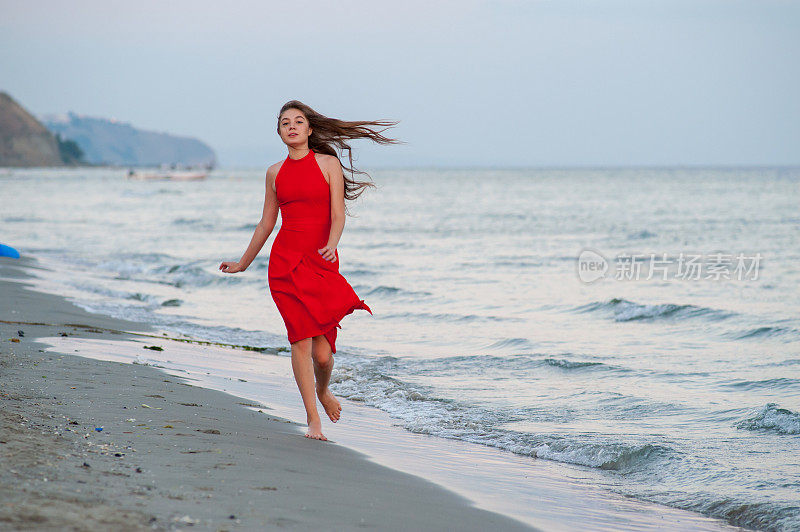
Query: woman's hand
{"x":328,"y":253}
{"x":231,"y":267}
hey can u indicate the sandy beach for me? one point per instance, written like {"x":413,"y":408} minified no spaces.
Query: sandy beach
{"x":95,"y":445}
{"x":99,"y":433}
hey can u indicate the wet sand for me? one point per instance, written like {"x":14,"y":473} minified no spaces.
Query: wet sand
{"x":170,"y":455}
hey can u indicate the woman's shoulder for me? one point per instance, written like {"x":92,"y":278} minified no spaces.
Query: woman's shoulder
{"x":325,"y":159}
{"x":273,"y":170}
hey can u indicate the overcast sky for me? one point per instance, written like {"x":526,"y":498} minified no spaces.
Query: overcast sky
{"x":496,"y":83}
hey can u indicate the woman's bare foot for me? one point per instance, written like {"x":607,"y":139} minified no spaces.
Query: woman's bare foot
{"x":315,"y":430}
{"x":331,"y":404}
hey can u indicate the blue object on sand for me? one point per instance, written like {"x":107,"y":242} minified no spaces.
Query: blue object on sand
{"x":8,"y":251}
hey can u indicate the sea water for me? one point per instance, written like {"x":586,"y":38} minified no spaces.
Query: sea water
{"x":673,"y":377}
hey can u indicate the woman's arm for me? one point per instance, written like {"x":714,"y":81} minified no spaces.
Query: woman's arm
{"x":336,"y":177}
{"x":269,"y":218}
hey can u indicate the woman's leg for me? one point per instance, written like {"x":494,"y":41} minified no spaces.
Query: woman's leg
{"x":303,"y":368}
{"x":323,"y":366}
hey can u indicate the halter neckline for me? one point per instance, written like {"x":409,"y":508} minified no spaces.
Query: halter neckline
{"x":310,"y":152}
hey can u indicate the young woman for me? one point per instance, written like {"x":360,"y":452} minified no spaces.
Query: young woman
{"x":309,"y":188}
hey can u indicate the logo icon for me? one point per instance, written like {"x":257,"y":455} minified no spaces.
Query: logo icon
{"x":591,"y":266}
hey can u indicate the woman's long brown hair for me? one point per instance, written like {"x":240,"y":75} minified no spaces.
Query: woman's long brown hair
{"x":330,"y":134}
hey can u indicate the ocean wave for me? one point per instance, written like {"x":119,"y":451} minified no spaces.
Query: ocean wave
{"x":619,"y":406}
{"x":570,"y":364}
{"x":737,"y":511}
{"x":787,"y":362}
{"x":150,"y":301}
{"x":772,"y":418}
{"x":471,"y":363}
{"x":180,"y":275}
{"x":358,"y":272}
{"x":763,"y":332}
{"x":609,"y":455}
{"x":378,"y":244}
{"x":161,"y":269}
{"x":641,"y":235}
{"x":138,"y":296}
{"x":146,"y":193}
{"x":624,"y":310}
{"x":23,"y":219}
{"x":187,"y":221}
{"x":195,"y":223}
{"x":419,"y":410}
{"x":778,"y":383}
{"x":129,"y":264}
{"x":416,"y":408}
{"x":516,"y":362}
{"x":464,"y":318}
{"x":394,"y":292}
{"x":516,"y":263}
{"x":506,"y":343}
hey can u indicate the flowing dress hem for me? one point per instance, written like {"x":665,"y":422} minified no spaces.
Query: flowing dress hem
{"x":330,"y":332}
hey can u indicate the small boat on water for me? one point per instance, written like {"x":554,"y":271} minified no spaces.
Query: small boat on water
{"x":171,"y":175}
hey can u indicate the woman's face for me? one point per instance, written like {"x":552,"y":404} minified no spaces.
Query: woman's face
{"x":294,"y":128}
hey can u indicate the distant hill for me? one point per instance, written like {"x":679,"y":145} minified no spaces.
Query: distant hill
{"x":24,"y":141}
{"x":117,"y":143}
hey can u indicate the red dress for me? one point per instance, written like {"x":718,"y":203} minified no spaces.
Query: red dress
{"x":310,"y":293}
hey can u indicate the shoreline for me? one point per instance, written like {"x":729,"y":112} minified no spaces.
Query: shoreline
{"x":191,"y":456}
{"x":432,"y":483}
